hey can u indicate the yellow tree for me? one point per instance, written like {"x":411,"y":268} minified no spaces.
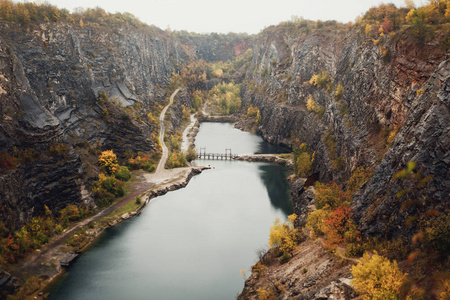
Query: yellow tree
{"x":377,"y":277}
{"x":368,"y":29}
{"x":304,"y":163}
{"x":108,"y":160}
{"x":339,"y":91}
{"x":311,"y":104}
{"x":283,"y":235}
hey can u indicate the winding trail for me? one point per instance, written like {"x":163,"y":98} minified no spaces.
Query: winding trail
{"x":165,"y":151}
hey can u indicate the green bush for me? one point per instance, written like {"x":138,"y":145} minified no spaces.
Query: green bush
{"x":106,"y":189}
{"x":149,"y":166}
{"x":123,"y":174}
{"x":58,"y":229}
{"x":284,"y":258}
{"x":191,"y":154}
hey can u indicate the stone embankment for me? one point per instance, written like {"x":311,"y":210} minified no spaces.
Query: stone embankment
{"x":159,"y":191}
{"x":270,"y":158}
{"x":221,"y":119}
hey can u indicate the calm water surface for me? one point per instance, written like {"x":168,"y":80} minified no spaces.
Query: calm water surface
{"x":191,"y":243}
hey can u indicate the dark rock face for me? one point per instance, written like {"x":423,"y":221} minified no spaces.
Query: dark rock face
{"x":50,"y":79}
{"x":424,"y":139}
{"x":406,"y":90}
{"x":51,"y":182}
{"x":67,"y":67}
{"x":26,"y":123}
{"x":215,"y":47}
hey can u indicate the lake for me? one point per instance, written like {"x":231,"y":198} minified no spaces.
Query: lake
{"x":190,"y":243}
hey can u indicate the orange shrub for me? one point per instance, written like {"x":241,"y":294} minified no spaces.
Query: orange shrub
{"x":337,"y":225}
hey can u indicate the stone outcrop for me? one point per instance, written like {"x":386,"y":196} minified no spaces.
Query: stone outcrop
{"x":267,"y":158}
{"x":310,"y":274}
{"x":67,"y":66}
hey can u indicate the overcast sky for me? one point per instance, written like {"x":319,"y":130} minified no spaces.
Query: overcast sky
{"x":225,"y":16}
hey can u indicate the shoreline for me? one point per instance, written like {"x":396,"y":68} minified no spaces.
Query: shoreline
{"x":47,"y":263}
{"x":164,"y":182}
{"x":160,"y":189}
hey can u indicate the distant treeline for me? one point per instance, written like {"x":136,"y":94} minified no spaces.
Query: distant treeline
{"x":32,"y":13}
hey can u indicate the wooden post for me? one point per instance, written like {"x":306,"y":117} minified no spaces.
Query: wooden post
{"x":226,"y":153}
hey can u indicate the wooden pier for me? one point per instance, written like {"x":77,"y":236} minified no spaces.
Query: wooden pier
{"x":222,"y":156}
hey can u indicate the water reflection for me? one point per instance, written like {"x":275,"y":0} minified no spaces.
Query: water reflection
{"x":267,"y":148}
{"x":277,"y":186}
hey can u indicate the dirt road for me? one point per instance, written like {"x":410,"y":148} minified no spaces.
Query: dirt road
{"x":165,"y":151}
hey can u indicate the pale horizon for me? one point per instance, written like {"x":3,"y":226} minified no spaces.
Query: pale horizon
{"x":250,"y":17}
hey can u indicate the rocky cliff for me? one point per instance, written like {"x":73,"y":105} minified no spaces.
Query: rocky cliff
{"x":381,"y":103}
{"x":84,"y":86}
{"x":215,"y":47}
{"x":52,"y":78}
{"x":389,"y":85}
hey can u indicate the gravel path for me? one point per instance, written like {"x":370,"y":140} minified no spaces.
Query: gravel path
{"x":165,"y":152}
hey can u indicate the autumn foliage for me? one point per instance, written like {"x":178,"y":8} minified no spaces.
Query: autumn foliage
{"x":338,"y":226}
{"x":329,"y":194}
{"x":375,"y":277}
{"x":146,"y":161}
{"x":15,"y":245}
{"x":109,"y":185}
{"x":284,"y":236}
{"x":106,"y":189}
{"x":303,"y":160}
{"x":108,"y":160}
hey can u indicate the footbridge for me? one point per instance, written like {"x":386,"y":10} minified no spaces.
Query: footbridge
{"x":223,"y":156}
